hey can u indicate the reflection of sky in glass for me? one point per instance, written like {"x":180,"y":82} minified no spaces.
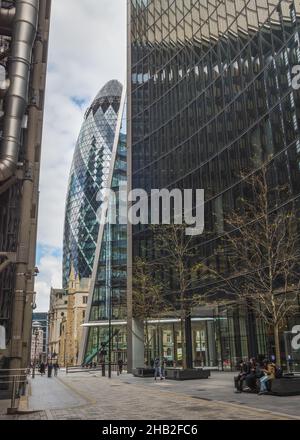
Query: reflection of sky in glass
{"x":89,"y":173}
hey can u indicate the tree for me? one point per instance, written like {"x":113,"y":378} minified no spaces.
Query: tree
{"x":148,"y":298}
{"x":175,"y":255}
{"x":262,"y":244}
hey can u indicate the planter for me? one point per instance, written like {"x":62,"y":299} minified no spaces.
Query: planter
{"x":186,"y":374}
{"x":143,"y":372}
{"x":286,"y":386}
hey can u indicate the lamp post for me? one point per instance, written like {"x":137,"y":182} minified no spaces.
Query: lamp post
{"x":36,"y":334}
{"x":109,"y":333}
{"x":287,"y":350}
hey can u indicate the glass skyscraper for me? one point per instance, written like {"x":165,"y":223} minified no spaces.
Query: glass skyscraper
{"x":210,"y":96}
{"x":107,"y":299}
{"x":89,"y":173}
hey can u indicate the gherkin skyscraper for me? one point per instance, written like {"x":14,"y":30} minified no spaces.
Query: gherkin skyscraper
{"x":88,"y":176}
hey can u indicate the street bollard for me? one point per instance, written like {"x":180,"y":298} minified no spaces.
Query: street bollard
{"x":103,"y":370}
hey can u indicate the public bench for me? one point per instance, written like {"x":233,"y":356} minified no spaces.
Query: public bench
{"x":287,"y":385}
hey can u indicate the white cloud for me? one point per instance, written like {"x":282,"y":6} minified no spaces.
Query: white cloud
{"x":87,"y":49}
{"x":50,"y":275}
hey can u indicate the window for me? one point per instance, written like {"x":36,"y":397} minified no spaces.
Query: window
{"x":84,"y":299}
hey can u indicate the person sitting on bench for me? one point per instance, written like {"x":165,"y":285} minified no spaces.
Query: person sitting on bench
{"x":269,"y":375}
{"x":239,"y":379}
{"x":252,"y":376}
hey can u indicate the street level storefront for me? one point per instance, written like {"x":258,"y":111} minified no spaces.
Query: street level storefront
{"x":220,"y":339}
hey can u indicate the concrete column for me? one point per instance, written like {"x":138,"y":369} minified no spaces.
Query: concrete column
{"x":137,"y":342}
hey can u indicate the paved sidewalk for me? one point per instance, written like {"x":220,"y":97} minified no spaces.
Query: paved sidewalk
{"x":219,"y":387}
{"x":51,"y":393}
{"x":88,"y":396}
{"x":4,"y":404}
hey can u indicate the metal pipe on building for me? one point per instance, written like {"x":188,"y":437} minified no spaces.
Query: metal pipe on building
{"x":25,"y":24}
{"x":7,"y":16}
{"x":24,"y":287}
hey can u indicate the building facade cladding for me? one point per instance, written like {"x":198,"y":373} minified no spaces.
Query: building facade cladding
{"x":108,"y":286}
{"x":57,"y":315}
{"x":42,"y":319}
{"x":88,"y":176}
{"x":19,"y":192}
{"x":211,"y":97}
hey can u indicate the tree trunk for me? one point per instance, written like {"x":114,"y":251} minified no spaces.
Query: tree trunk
{"x":183,"y":345}
{"x":147,"y":343}
{"x":277,"y":345}
{"x":188,"y":342}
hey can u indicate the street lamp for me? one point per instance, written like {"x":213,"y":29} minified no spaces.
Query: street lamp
{"x":36,"y":335}
{"x":109,"y":332}
{"x":287,"y":350}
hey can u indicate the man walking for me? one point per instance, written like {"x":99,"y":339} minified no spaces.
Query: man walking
{"x":120,"y":366}
{"x":50,"y":368}
{"x":157,"y":369}
{"x":56,"y":368}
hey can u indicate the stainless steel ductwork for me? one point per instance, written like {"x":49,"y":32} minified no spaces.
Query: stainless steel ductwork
{"x":6,"y":19}
{"x":24,"y":28}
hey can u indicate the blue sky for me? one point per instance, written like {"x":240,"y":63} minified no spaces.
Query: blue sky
{"x":87,"y":49}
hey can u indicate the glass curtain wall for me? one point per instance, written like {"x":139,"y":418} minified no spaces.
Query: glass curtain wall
{"x":88,"y":176}
{"x":211,"y":98}
{"x":109,"y":288}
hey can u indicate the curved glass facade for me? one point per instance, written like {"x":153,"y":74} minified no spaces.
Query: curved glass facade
{"x":211,"y":98}
{"x":89,"y":173}
{"x":109,"y":280}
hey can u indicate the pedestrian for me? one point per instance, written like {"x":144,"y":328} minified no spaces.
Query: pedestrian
{"x":163,"y":368}
{"x":269,"y":375}
{"x":252,"y":375}
{"x":157,"y":369}
{"x":50,"y":368}
{"x":56,"y":368}
{"x":120,"y":365}
{"x":42,"y":368}
{"x":239,"y":379}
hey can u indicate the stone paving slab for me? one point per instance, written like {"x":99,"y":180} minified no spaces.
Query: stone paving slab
{"x":96,"y":398}
{"x":220,"y":387}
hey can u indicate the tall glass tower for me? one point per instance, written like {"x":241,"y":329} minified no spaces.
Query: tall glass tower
{"x":107,"y":299}
{"x":89,"y":173}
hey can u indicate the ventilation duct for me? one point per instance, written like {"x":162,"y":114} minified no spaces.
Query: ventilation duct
{"x":6,"y":20}
{"x":24,"y":28}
